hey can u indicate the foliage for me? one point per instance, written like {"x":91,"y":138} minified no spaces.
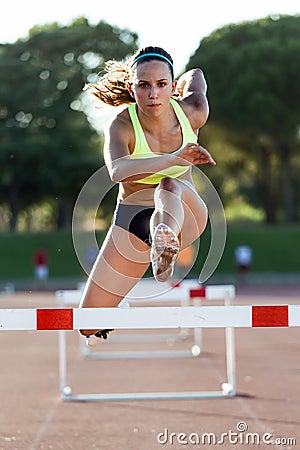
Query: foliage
{"x":252,"y":69}
{"x":47,"y":147}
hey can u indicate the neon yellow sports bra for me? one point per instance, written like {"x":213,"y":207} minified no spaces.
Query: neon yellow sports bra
{"x":142,"y":149}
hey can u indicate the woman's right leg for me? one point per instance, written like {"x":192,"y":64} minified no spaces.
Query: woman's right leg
{"x":165,"y":225}
{"x":121,"y":263}
{"x":180,"y":217}
{"x":168,"y":206}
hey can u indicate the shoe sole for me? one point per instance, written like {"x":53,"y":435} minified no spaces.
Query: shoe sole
{"x":164,"y":254}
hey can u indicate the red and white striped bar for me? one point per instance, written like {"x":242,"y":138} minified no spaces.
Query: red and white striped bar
{"x":213,"y":292}
{"x":145,"y":291}
{"x":151,"y":317}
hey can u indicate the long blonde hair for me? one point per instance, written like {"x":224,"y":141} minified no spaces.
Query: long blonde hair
{"x":111,"y":87}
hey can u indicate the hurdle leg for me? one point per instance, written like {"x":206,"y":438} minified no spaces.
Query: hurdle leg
{"x":230,"y":363}
{"x":230,"y":386}
{"x":184,"y":332}
{"x":198,"y":343}
{"x":62,"y":355}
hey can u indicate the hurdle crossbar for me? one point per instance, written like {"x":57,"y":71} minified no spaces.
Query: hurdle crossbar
{"x":150,"y":317}
{"x":181,"y":291}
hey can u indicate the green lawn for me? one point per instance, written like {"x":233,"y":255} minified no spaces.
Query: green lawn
{"x":17,"y":251}
{"x":275,"y":249}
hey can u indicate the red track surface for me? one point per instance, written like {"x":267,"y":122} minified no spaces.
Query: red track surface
{"x":33,"y":417}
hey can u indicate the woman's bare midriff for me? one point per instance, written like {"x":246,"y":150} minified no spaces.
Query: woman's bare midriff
{"x":133,"y":193}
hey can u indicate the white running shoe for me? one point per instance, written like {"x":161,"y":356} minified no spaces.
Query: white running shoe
{"x":164,"y":251}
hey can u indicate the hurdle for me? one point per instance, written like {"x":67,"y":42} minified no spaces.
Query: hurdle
{"x":186,"y":293}
{"x":238,"y":316}
{"x":175,"y":292}
{"x":149,"y":317}
{"x":146,"y":291}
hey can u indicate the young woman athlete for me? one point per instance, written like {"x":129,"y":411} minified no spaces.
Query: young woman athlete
{"x":150,"y":147}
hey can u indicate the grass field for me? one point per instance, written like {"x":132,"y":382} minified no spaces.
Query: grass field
{"x":276,"y":249}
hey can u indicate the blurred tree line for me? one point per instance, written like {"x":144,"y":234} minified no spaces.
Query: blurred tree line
{"x":49,"y":148}
{"x":254,"y":93}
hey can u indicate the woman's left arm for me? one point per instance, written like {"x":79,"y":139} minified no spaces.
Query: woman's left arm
{"x":191,"y":89}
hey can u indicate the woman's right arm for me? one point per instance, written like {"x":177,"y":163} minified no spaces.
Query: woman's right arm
{"x":122,"y":168}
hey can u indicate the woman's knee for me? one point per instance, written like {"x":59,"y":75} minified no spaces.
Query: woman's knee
{"x":169,"y":184}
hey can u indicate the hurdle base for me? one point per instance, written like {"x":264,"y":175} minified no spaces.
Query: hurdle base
{"x":151,"y":354}
{"x":144,"y":396}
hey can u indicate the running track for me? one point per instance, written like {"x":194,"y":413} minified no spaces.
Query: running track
{"x":33,"y":417}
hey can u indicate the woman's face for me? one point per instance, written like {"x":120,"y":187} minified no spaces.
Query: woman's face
{"x":152,"y":86}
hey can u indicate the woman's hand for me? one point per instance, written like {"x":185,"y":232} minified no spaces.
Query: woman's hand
{"x":193,"y":154}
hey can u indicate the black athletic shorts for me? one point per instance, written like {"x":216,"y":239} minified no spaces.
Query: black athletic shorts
{"x":135,"y":219}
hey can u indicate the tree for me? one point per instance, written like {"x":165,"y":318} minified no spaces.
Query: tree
{"x":47,"y":146}
{"x":254,"y":91}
